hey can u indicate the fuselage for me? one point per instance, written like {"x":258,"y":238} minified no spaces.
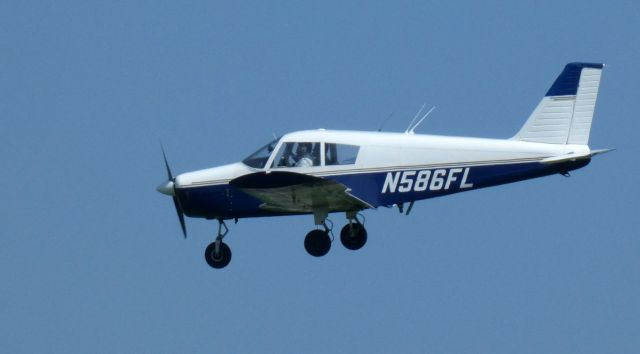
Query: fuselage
{"x":379,"y":168}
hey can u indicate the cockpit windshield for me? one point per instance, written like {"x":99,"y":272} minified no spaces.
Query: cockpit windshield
{"x":259,"y":158}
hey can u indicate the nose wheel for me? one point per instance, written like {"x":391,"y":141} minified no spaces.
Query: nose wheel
{"x":217,"y":258}
{"x":218,"y":254}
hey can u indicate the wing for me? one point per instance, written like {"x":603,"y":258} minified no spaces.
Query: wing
{"x":282,"y":191}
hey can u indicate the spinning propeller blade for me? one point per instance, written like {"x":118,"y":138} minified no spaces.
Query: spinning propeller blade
{"x":180,"y":216}
{"x":176,"y":202}
{"x":166,"y":164}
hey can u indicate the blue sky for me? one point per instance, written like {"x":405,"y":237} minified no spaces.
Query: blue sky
{"x":92,"y":257}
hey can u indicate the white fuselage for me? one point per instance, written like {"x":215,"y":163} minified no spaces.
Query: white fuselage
{"x":393,"y":151}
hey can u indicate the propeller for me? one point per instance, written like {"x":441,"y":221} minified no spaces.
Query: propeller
{"x":169,"y":188}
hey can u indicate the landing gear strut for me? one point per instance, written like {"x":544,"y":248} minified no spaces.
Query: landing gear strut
{"x":353,"y":235}
{"x":218,"y":254}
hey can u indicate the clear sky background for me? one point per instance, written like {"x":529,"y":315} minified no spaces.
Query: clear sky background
{"x":92,"y":257}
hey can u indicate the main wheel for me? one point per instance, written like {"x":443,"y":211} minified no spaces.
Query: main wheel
{"x":353,"y":236}
{"x":317,"y":243}
{"x":219,"y":260}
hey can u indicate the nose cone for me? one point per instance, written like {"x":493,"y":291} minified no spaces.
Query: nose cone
{"x":166,"y":188}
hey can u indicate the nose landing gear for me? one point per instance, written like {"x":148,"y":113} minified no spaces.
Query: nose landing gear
{"x":218,"y":254}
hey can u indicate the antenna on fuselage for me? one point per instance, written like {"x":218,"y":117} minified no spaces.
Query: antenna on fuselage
{"x":385,"y":121}
{"x":412,"y":127}
{"x":414,"y":118}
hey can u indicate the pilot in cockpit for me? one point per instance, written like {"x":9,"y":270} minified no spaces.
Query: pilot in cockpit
{"x":303,"y":155}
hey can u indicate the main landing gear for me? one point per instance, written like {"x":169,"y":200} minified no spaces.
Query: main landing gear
{"x":353,"y":235}
{"x":218,"y":254}
{"x":317,"y":242}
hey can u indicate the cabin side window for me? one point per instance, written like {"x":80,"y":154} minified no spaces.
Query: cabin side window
{"x":341,"y":154}
{"x":298,"y":154}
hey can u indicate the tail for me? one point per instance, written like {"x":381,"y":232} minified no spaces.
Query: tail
{"x":564,"y":114}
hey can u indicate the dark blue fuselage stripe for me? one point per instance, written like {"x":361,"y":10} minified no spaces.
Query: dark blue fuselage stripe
{"x":225,"y":201}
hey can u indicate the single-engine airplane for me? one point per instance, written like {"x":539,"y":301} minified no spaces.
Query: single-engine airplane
{"x":326,"y":171}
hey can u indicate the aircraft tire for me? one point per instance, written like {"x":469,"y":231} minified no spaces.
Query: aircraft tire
{"x":356,"y":240}
{"x":222,"y":260}
{"x":317,"y":243}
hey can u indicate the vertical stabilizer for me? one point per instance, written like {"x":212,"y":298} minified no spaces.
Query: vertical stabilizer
{"x":565,"y":114}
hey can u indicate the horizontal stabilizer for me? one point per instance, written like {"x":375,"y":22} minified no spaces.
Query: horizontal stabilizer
{"x":565,"y":158}
{"x":574,"y":157}
{"x":600,"y":151}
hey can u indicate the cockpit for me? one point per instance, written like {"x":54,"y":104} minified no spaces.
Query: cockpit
{"x":303,"y":154}
{"x":259,"y":158}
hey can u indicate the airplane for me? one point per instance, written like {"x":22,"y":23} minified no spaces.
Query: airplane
{"x":318,"y":172}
